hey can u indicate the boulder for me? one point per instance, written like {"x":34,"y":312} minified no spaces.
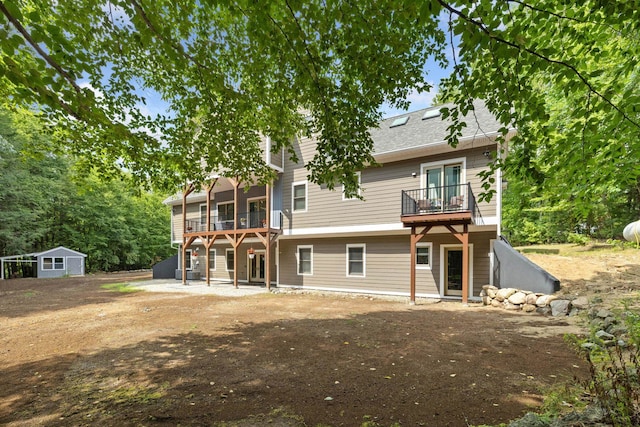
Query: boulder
{"x":517,"y":298}
{"x":486,"y":300}
{"x":531,"y":299}
{"x":528,"y":308}
{"x":505,"y":293}
{"x":545,"y":300}
{"x":511,"y":306}
{"x":496,"y":303}
{"x":581,"y":303}
{"x":560,"y":307}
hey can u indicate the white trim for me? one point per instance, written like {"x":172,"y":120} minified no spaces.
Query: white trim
{"x":226,"y":258}
{"x":53,"y":263}
{"x":456,"y":246}
{"x":293,"y":196}
{"x":200,"y":206}
{"x":441,"y":164}
{"x":364,"y":228}
{"x":298,"y":259}
{"x":424,"y":245}
{"x":257,"y":252}
{"x":212,"y":255}
{"x":363,"y":246}
{"x":359,"y":175}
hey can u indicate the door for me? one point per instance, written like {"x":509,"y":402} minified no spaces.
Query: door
{"x":257,"y":213}
{"x":453,"y":272}
{"x":256,"y":267}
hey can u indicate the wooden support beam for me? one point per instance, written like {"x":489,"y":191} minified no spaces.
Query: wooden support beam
{"x":415,"y":238}
{"x":207,"y":244}
{"x":267,"y":243}
{"x":463,"y":237}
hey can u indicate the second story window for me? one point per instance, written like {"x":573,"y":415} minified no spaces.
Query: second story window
{"x":299,"y":197}
{"x":203,"y":214}
{"x":225,"y":216}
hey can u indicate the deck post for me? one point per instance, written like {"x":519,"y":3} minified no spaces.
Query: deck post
{"x":464,"y":238}
{"x":188,"y":190}
{"x":236,"y":184}
{"x":267,"y":244}
{"x":412,"y":288}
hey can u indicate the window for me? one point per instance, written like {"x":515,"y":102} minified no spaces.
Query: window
{"x":225,"y":211}
{"x":356,"y":260}
{"x":229,"y":255}
{"x":203,"y":214}
{"x":443,"y":181}
{"x":212,"y":259}
{"x":359,"y":178}
{"x":299,"y":197}
{"x":50,"y":263}
{"x":187,"y":258}
{"x":305,"y":260}
{"x":423,"y":255}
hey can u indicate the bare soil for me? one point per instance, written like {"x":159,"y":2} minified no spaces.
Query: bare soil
{"x":74,"y":353}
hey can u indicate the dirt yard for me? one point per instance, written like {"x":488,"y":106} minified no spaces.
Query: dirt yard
{"x":74,"y":353}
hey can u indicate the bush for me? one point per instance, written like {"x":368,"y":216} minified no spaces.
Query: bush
{"x":614,"y":365}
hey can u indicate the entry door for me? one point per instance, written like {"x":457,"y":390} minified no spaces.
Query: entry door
{"x":257,"y":266}
{"x":453,"y":272}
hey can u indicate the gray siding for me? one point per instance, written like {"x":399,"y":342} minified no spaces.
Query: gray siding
{"x":73,"y":263}
{"x":381,"y":189}
{"x":388,"y":264}
{"x":220,"y":272}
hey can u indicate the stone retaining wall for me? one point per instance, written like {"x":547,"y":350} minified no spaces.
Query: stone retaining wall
{"x":527,"y":301}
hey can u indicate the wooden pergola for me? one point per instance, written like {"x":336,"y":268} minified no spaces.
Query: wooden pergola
{"x":265,"y":234}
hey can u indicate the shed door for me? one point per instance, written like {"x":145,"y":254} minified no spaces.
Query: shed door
{"x":74,"y":266}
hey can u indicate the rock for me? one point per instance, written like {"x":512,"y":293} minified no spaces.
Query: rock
{"x":517,"y":298}
{"x":617,"y":330}
{"x":546,"y":310}
{"x":511,"y":306}
{"x":528,"y":308}
{"x":544,"y":300}
{"x":604,"y":313}
{"x":486,"y":300}
{"x":491,"y":291}
{"x":581,"y":303}
{"x":496,"y":303}
{"x":505,"y":293}
{"x":531,"y":299}
{"x":529,"y":420}
{"x":609,"y":322}
{"x":604,"y":335}
{"x":560,"y":307}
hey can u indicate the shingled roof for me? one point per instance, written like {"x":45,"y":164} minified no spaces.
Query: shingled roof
{"x":430,"y":130}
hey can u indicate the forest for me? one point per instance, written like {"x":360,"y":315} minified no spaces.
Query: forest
{"x":45,"y":202}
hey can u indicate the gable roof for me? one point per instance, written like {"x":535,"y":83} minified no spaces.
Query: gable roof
{"x":417,"y":131}
{"x":57,"y":249}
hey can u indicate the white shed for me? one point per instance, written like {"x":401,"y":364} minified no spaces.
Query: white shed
{"x":56,"y":262}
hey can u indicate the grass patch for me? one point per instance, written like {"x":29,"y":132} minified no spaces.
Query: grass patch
{"x":120,"y":287}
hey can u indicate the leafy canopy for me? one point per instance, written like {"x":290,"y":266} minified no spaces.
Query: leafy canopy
{"x":232,"y":70}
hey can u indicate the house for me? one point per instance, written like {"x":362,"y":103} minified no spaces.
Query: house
{"x":420,"y":229}
{"x":56,"y":262}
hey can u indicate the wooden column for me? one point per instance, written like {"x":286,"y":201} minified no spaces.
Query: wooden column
{"x":188,"y":190}
{"x":267,"y":245}
{"x":209,"y":239}
{"x":465,"y":264}
{"x":236,"y":184}
{"x":415,"y":238}
{"x":464,"y":239}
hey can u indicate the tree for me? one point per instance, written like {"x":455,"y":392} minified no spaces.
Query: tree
{"x":231,"y":71}
{"x":44,"y":203}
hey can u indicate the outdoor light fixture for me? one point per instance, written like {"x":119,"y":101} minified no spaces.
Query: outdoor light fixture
{"x":251,"y":253}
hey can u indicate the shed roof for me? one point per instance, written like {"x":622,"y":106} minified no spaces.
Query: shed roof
{"x":37,"y":254}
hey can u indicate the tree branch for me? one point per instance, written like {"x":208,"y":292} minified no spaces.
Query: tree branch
{"x":27,"y":36}
{"x":532,"y":52}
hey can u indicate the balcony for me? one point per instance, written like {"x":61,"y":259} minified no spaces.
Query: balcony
{"x":449,"y":204}
{"x":245,"y":221}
